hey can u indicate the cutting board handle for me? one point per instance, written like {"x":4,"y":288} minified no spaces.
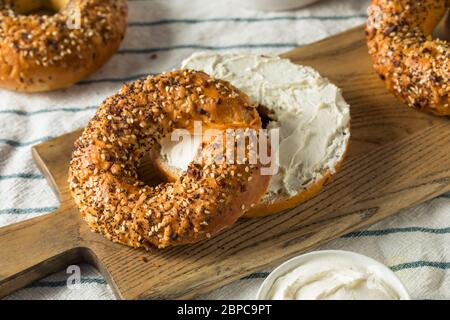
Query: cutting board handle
{"x":37,"y":247}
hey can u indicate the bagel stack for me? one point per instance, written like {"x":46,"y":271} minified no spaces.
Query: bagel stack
{"x":310,"y":112}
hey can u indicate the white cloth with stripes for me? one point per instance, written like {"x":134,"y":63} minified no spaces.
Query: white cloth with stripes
{"x":161,"y":33}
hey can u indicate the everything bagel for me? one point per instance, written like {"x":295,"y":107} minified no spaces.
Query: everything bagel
{"x":415,"y":67}
{"x":41,"y":51}
{"x":207,"y":198}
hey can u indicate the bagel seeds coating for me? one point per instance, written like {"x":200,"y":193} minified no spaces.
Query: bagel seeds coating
{"x":412,"y":64}
{"x":208,"y":198}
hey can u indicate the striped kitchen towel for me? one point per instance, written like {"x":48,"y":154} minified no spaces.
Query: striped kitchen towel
{"x":160,"y":34}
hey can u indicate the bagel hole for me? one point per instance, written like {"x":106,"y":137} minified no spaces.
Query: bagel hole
{"x":45,"y":12}
{"x":147,"y":173}
{"x":38,"y":12}
{"x":39,"y":7}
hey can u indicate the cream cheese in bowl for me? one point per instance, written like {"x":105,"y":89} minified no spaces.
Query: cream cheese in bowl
{"x":332,"y":275}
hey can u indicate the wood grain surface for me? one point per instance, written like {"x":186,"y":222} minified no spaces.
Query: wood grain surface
{"x":398,"y":158}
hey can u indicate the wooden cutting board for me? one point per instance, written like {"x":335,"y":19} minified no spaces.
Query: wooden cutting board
{"x":398,"y":158}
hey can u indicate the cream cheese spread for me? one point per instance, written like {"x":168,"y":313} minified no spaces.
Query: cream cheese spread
{"x":322,"y":278}
{"x":178,"y":154}
{"x":310,"y":112}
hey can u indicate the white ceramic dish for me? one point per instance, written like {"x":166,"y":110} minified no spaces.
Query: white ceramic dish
{"x":272,"y":4}
{"x":386,"y":274}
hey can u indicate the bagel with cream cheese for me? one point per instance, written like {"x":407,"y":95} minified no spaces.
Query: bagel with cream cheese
{"x":312,"y":117}
{"x":51,"y":44}
{"x":208,"y":197}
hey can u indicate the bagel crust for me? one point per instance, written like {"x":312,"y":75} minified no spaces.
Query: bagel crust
{"x":41,"y":52}
{"x":205,"y":199}
{"x":415,"y":67}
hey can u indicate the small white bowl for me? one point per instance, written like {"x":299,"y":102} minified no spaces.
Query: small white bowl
{"x":272,"y":4}
{"x":386,"y":274}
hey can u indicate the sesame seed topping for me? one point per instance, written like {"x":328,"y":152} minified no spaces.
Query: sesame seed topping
{"x":103,"y":174}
